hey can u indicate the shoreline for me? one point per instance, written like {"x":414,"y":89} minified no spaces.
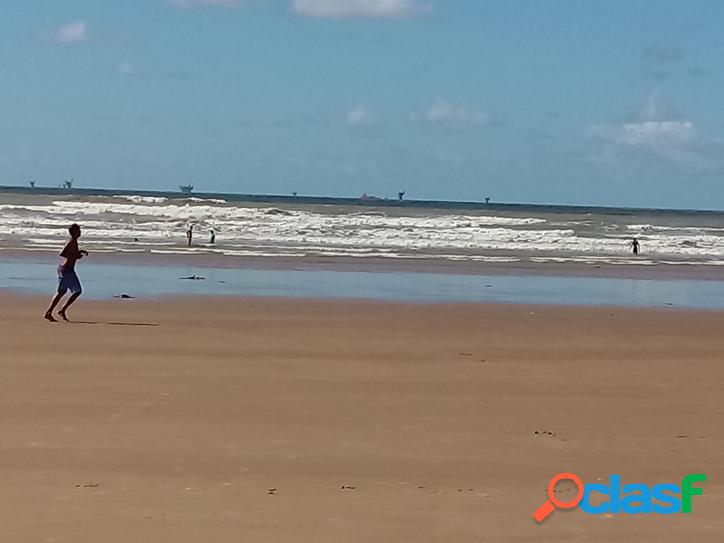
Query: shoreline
{"x":112,"y":277}
{"x":653,"y":272}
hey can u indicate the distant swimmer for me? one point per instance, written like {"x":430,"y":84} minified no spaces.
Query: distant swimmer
{"x":212,"y":239}
{"x":67,"y":278}
{"x":190,"y":234}
{"x":635,"y":246}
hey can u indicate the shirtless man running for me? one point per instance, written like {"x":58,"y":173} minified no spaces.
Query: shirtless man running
{"x":67,"y":278}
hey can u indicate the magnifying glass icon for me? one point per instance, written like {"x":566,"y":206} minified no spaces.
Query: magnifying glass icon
{"x":553,"y":502}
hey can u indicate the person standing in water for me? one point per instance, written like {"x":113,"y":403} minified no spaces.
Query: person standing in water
{"x":635,"y":246}
{"x":67,"y":278}
{"x":190,"y":234}
{"x":212,"y":239}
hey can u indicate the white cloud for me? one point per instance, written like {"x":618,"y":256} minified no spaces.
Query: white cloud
{"x":673,"y":142}
{"x":75,"y":32}
{"x":656,"y":133}
{"x":657,"y":129}
{"x":658,"y":136}
{"x":126,"y":68}
{"x":360,"y":115}
{"x":443,"y":112}
{"x":349,"y":9}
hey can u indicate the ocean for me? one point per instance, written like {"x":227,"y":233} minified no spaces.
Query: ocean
{"x":297,"y":227}
{"x":105,"y":281}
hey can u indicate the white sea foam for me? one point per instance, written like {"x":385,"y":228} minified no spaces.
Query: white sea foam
{"x":648,"y":228}
{"x":207,"y":200}
{"x":157,"y":224}
{"x":142,"y":199}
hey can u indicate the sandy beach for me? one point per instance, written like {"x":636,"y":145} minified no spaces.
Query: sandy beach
{"x":271,"y":420}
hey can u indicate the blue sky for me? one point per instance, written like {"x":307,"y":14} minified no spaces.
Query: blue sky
{"x":569,"y":101}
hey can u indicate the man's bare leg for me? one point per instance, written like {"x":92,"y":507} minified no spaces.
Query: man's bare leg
{"x":56,"y":300}
{"x":70,"y":301}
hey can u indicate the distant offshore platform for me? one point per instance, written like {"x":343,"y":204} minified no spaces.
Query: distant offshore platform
{"x":485,"y":204}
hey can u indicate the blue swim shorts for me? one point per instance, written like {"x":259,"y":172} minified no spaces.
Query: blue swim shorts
{"x":68,"y":280}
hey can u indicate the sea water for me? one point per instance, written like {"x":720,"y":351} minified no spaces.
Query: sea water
{"x":104,"y":281}
{"x":292,"y":228}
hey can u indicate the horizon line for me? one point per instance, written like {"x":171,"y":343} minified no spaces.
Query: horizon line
{"x":364,"y":200}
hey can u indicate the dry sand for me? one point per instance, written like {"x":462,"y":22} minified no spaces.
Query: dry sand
{"x":374,"y":422}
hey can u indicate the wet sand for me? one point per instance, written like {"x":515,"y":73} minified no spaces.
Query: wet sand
{"x":201,"y":419}
{"x":205,"y":258}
